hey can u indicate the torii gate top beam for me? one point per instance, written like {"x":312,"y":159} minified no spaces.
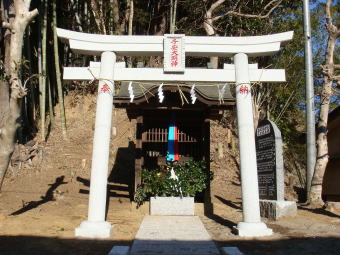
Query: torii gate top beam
{"x":124,"y":45}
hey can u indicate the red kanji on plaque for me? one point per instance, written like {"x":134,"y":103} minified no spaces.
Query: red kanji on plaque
{"x":244,"y":90}
{"x":105,"y":88}
{"x":174,"y":53}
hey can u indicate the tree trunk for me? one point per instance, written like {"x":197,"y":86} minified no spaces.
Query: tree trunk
{"x":315,"y":194}
{"x":4,"y":85}
{"x":256,"y":114}
{"x":97,"y":11}
{"x":159,"y":29}
{"x":57,"y":70}
{"x":17,"y":26}
{"x":131,"y":13}
{"x":209,"y":29}
{"x":315,"y":198}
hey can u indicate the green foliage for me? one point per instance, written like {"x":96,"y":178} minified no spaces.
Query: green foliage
{"x":193,"y":177}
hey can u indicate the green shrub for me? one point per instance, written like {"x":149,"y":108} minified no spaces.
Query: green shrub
{"x":193,"y":177}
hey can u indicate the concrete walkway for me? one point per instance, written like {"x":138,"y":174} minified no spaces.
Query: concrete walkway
{"x":173,"y":235}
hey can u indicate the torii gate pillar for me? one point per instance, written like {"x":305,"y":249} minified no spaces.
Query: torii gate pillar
{"x":251,"y":225}
{"x":96,"y":226}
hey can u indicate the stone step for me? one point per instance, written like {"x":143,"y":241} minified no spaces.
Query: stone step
{"x":169,"y":235}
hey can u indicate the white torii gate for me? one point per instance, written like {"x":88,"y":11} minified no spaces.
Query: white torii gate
{"x":108,"y":71}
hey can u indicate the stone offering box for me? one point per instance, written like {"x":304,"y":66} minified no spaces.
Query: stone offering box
{"x":172,"y":206}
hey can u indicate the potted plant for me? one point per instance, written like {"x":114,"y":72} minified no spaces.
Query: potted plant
{"x":171,"y":188}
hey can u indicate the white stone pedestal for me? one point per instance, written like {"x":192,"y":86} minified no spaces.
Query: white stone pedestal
{"x":93,"y":229}
{"x":250,"y":229}
{"x":172,"y":206}
{"x":275,"y":209}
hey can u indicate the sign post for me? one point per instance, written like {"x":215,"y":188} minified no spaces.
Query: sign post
{"x":270,"y":170}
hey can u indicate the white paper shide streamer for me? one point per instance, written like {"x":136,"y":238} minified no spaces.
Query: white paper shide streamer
{"x":160,"y":93}
{"x":192,"y":94}
{"x":130,"y":89}
{"x":222,"y":91}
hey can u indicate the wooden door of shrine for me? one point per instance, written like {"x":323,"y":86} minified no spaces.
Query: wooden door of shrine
{"x":193,"y":136}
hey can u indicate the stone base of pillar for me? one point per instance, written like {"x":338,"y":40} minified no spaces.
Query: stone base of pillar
{"x":273,"y":209}
{"x":252,"y":229}
{"x":94,"y":229}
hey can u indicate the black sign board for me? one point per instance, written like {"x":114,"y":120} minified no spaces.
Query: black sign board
{"x":266,"y":160}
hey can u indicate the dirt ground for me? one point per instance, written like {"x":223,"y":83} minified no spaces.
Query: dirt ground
{"x":41,"y":204}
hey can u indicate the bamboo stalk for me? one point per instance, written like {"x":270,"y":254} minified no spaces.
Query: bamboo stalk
{"x":173,"y":13}
{"x":50,"y":102}
{"x":75,"y":10}
{"x":129,"y":59}
{"x":31,"y":104}
{"x":57,"y":69}
{"x":42,"y":71}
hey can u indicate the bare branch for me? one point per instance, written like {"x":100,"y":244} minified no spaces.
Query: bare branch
{"x":270,"y":3}
{"x":256,"y":16}
{"x":32,"y":14}
{"x":208,"y":22}
{"x":27,"y":4}
{"x":6,"y":25}
{"x":215,"y":5}
{"x":328,"y":11}
{"x":236,"y":4}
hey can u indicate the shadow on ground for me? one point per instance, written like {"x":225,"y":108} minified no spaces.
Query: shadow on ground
{"x":44,"y":199}
{"x":235,"y":205}
{"x":123,"y":169}
{"x":34,"y":245}
{"x":111,"y":188}
{"x":122,"y":173}
{"x":321,"y":212}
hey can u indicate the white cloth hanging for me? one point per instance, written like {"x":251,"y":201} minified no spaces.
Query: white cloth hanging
{"x":175,"y":177}
{"x":130,"y":89}
{"x":160,"y":93}
{"x":193,"y":94}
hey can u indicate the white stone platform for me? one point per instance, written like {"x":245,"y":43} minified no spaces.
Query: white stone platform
{"x":169,"y":235}
{"x":172,"y":206}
